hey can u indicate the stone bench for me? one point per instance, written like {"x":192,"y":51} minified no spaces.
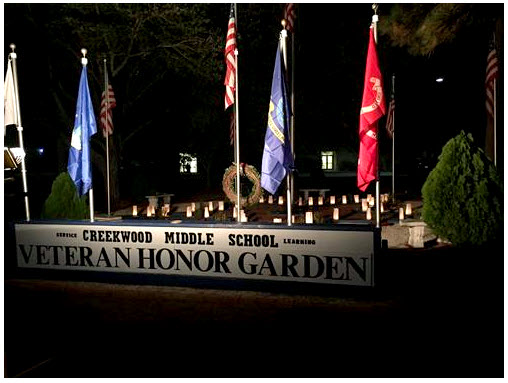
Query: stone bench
{"x":417,"y":238}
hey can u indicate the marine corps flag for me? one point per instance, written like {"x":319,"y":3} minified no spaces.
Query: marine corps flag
{"x":277,"y":157}
{"x":373,"y":108}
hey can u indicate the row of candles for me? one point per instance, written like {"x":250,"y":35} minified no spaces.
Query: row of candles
{"x":367,"y":204}
{"x":333,"y":200}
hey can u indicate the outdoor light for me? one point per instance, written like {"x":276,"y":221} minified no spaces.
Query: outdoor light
{"x":277,"y":220}
{"x":281,"y":200}
{"x":369,"y":214}
{"x":308,"y":217}
{"x":320,"y":200}
{"x":439,"y":79}
{"x":134,"y":210}
{"x":357,"y":198}
{"x":243,"y":217}
{"x":189,"y":211}
{"x":372,"y":201}
{"x":364,"y":204}
{"x":401,"y":214}
{"x":207,"y":213}
{"x":344,"y":199}
{"x":408,"y":209}
{"x":311,"y":201}
{"x":40,"y":151}
{"x":336,"y":214}
{"x":332,"y":200}
{"x":193,"y":207}
{"x":149,"y":211}
{"x":221,"y":205}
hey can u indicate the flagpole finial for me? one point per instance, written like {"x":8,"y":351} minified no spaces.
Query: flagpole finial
{"x":284,"y":23}
{"x":375,"y":6}
{"x":84,"y":60}
{"x":12,"y":46}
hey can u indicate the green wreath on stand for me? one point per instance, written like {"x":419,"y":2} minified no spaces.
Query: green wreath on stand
{"x":229,"y":183}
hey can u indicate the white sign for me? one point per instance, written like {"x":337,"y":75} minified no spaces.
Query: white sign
{"x":261,"y":253}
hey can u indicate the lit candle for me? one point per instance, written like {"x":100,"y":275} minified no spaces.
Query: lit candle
{"x":135,"y":210}
{"x":189,"y":211}
{"x":262,"y":199}
{"x":243,"y":217}
{"x":210,"y":206}
{"x":277,"y":220}
{"x":270,"y":199}
{"x":281,"y":200}
{"x":293,"y":218}
{"x":336,"y":214}
{"x":300,"y":201}
{"x":401,"y":214}
{"x":311,"y":201}
{"x":320,"y":200}
{"x":372,"y":201}
{"x":332,"y":200}
{"x":369,"y":196}
{"x":344,"y":199}
{"x":369,"y":214}
{"x":308,"y":217}
{"x":207,"y":213}
{"x":166,"y":209}
{"x":221,"y":205}
{"x":357,"y":198}
{"x":193,"y":207}
{"x":409,"y":210}
{"x":235,"y":215}
{"x":364,"y":204}
{"x":382,"y":207}
{"x":149,"y":211}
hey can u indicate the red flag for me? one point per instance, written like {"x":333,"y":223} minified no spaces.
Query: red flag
{"x":373,"y":108}
{"x":108,"y":102}
{"x":289,"y":16}
{"x":229,"y":98}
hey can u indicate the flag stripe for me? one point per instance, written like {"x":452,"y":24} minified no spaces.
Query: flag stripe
{"x":390,"y":117}
{"x":490,"y":78}
{"x":108,"y":102}
{"x":230,"y":58}
{"x":289,"y":16}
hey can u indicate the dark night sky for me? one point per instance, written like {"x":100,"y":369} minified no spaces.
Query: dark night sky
{"x":331,"y":44}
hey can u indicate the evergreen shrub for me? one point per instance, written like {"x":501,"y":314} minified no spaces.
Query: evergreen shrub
{"x":462,"y":196}
{"x":64,"y":201}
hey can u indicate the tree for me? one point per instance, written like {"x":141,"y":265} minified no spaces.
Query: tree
{"x":462,"y":196}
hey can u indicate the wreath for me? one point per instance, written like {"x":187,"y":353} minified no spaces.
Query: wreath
{"x":229,"y":183}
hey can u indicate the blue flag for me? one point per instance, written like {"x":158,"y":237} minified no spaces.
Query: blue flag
{"x":79,"y":165}
{"x":277,"y":157}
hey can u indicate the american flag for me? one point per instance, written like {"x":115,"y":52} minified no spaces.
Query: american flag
{"x":390,"y":117}
{"x":492,"y":74}
{"x":229,"y":98}
{"x":289,"y":16}
{"x":107,"y":103}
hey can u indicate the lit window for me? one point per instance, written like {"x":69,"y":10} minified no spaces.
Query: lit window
{"x":327,"y":160}
{"x":188,"y":163}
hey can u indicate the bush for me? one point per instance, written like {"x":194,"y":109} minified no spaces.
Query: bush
{"x":462,"y":195}
{"x":64,"y":201}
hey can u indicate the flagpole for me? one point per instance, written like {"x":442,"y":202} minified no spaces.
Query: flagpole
{"x":106,"y":130}
{"x":19,"y":126}
{"x":293,"y":109}
{"x":283,"y":37}
{"x":393,"y":141}
{"x":237,"y":133}
{"x":375,"y":19}
{"x":84,"y":62}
